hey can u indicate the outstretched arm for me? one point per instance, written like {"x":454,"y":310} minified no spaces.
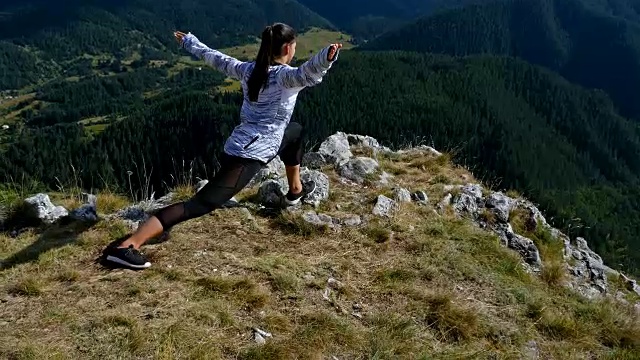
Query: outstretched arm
{"x":311,"y":72}
{"x":230,"y":66}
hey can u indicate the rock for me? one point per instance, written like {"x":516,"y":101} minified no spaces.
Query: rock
{"x":420,"y":197}
{"x":322,"y":186}
{"x":401,"y":195}
{"x":446,"y":201}
{"x":271,"y":192}
{"x":364,"y":141}
{"x":133,"y":216}
{"x":313,"y":160}
{"x":474,"y":190}
{"x":318,"y":219}
{"x":353,"y":220}
{"x":524,"y":246}
{"x":358,"y":169}
{"x":385,"y":178}
{"x":501,"y":206}
{"x":87,"y":212}
{"x":200,"y":185}
{"x":631,"y":284}
{"x":40,"y":208}
{"x":384,"y":206}
{"x":465,"y":203}
{"x":429,"y":149}
{"x":530,"y":350}
{"x":260,"y":336}
{"x":336,"y":149}
{"x":5,"y":127}
{"x":273,"y":170}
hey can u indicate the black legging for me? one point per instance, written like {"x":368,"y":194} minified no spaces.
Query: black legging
{"x":235,"y":173}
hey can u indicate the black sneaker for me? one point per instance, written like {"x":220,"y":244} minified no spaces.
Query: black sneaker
{"x":129,"y":257}
{"x":307,"y":189}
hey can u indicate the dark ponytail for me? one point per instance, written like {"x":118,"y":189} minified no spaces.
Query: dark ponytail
{"x":273,"y":37}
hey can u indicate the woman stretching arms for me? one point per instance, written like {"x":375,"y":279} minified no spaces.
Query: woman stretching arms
{"x":270,"y":87}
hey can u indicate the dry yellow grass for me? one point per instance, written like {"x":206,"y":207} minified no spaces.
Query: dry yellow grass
{"x":417,"y":286}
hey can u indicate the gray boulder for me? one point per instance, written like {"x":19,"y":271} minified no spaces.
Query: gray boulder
{"x":271,"y":192}
{"x":39,"y":207}
{"x":336,"y":149}
{"x":401,"y":195}
{"x":322,"y":186}
{"x":88,"y":211}
{"x":357,"y":169}
{"x":313,"y":160}
{"x":420,"y":197}
{"x":384,"y":206}
{"x":272,"y":170}
{"x":500,"y":205}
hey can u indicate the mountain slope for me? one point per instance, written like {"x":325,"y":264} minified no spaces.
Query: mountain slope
{"x":40,"y":39}
{"x":521,"y":126}
{"x":369,"y":18}
{"x":421,"y":281}
{"x":580,"y":40}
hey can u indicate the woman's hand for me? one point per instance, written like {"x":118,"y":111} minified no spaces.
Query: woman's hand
{"x":179,"y":36}
{"x":333,"y":50}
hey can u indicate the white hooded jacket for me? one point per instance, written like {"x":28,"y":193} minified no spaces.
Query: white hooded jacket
{"x":262,"y":123}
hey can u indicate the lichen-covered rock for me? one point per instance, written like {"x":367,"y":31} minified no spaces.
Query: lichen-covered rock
{"x":271,"y":192}
{"x":401,"y":195}
{"x":322,"y":186}
{"x":336,"y":149}
{"x":384,"y":206}
{"x":357,"y":169}
{"x":313,"y":160}
{"x":420,"y":197}
{"x":500,"y":205}
{"x":88,"y":211}
{"x":353,"y":220}
{"x":273,"y":170}
{"x":316,"y":219}
{"x":39,"y":207}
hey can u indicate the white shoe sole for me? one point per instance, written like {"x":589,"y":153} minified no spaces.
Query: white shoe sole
{"x":122,"y":262}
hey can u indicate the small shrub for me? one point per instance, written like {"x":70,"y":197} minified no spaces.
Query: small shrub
{"x":26,"y":287}
{"x":378,"y":234}
{"x":553,"y":273}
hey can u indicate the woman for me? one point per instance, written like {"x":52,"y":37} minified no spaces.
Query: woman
{"x":270,"y":87}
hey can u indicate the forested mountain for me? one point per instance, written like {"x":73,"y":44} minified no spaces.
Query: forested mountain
{"x":594,"y":43}
{"x":369,"y":18}
{"x":521,"y":125}
{"x":42,"y":39}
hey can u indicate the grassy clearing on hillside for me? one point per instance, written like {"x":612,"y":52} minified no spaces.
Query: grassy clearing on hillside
{"x":308,"y":43}
{"x":417,"y":286}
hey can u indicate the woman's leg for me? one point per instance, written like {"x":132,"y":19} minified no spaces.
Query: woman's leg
{"x":291,"y":154}
{"x":233,"y":176}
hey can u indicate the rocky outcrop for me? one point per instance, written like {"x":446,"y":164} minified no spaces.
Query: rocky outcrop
{"x":490,"y":210}
{"x":585,"y":268}
{"x":40,"y":208}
